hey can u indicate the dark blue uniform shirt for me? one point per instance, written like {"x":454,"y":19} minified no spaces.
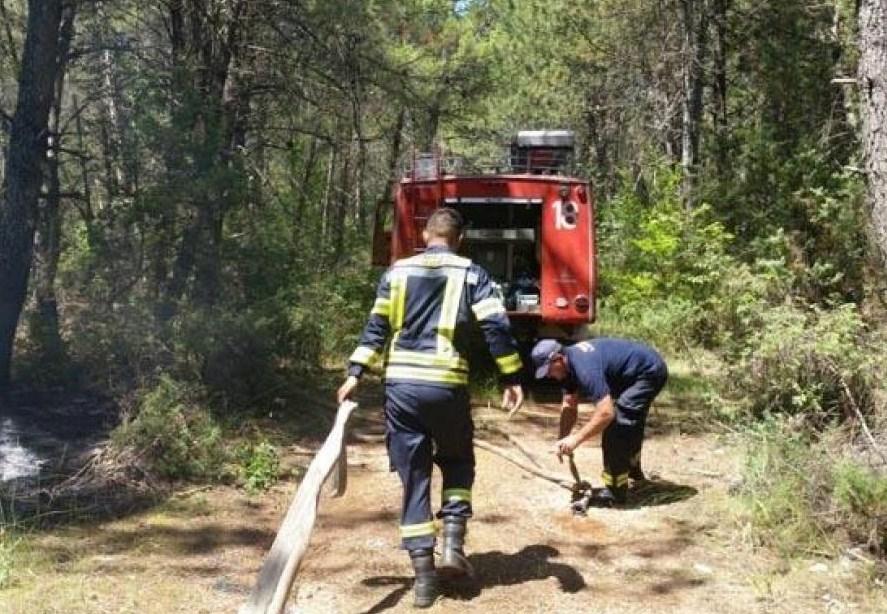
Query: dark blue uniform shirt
{"x":602,"y":366}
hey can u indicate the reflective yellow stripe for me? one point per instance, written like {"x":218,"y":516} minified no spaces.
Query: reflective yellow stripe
{"x":449,"y":311}
{"x":487,"y":308}
{"x":366,"y":356}
{"x":434,"y":260}
{"x":408,"y":358}
{"x":398,"y":301}
{"x":382,"y":307}
{"x":444,"y":376}
{"x":619,"y":480}
{"x":417,"y":530}
{"x":456,"y":494}
{"x":510,"y":363}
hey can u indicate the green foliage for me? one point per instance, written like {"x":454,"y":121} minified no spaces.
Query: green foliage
{"x":819,"y":364}
{"x":174,"y":432}
{"x":244,"y":357}
{"x":784,"y":482}
{"x":861,"y":497}
{"x":258,"y":465}
{"x":798,"y":498}
{"x":662,"y":264}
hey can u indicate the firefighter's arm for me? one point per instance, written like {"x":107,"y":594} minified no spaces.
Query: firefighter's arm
{"x":569,"y":414}
{"x":490,"y":315}
{"x":372,"y":341}
{"x":604,"y":414}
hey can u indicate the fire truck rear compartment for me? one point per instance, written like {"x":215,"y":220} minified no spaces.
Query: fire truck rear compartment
{"x":503,"y":237}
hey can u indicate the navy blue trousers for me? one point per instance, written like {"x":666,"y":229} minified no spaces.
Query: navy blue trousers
{"x":622,"y":440}
{"x":427,"y":425}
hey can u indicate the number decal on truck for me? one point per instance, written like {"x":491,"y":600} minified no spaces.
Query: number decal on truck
{"x":565,"y":214}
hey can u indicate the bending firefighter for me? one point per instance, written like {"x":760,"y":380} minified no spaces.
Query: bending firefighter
{"x":418,"y":333}
{"x":621,"y":378}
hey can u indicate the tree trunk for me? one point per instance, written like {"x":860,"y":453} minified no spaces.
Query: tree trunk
{"x":44,"y":322}
{"x":695,"y":22}
{"x":719,"y":18}
{"x":24,"y":168}
{"x":872,"y":80}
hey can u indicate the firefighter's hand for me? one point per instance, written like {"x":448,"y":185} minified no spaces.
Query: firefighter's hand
{"x":345,"y":390}
{"x":512,"y":398}
{"x":565,"y":446}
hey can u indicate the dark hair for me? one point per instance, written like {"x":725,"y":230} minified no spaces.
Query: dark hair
{"x":446,"y":223}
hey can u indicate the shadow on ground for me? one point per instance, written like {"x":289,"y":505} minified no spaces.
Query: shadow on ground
{"x":491,"y":569}
{"x":651,"y":493}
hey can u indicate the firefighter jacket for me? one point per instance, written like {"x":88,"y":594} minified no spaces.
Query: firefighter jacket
{"x":419,"y":325}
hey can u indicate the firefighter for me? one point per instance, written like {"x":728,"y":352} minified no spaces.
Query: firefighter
{"x":418,"y":333}
{"x":621,"y":378}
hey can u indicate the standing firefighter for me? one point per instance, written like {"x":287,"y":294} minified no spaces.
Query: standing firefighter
{"x":418,"y":332}
{"x":621,"y":378}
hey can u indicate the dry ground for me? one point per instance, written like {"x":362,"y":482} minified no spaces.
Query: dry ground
{"x":674,"y":549}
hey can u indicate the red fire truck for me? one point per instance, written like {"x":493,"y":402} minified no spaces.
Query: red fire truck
{"x":529,"y":223}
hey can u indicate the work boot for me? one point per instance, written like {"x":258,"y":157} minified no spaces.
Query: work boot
{"x":453,"y":562}
{"x":607,"y":497}
{"x":426,"y":588}
{"x":637,"y":474}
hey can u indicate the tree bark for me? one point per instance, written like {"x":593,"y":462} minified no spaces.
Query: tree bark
{"x":719,"y":17}
{"x":872,"y":78}
{"x":24,"y":168}
{"x":695,"y":21}
{"x":44,"y":322}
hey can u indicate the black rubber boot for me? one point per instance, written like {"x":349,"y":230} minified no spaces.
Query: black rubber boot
{"x":453,"y":562}
{"x":637,"y":474}
{"x":426,"y":589}
{"x":607,"y":497}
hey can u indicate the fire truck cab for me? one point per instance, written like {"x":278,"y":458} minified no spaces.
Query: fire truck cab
{"x":529,"y":223}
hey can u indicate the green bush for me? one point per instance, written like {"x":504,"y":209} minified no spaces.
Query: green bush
{"x":861,"y":497}
{"x":820,"y":364}
{"x":662,"y":264}
{"x":258,"y":465}
{"x":244,"y":357}
{"x":174,"y":432}
{"x":800,"y":499}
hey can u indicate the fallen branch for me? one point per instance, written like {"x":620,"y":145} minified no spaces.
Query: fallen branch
{"x":856,"y":410}
{"x":282,"y":563}
{"x":561,"y":481}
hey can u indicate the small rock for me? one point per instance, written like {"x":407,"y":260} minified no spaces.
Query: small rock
{"x":703,"y":569}
{"x":819,"y":568}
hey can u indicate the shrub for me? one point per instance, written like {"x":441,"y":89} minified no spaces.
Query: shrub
{"x":783,"y":478}
{"x":176,"y":434}
{"x":258,"y":465}
{"x":822,"y":365}
{"x":662,"y":263}
{"x":861,"y":497}
{"x":800,"y":498}
{"x":244,"y":357}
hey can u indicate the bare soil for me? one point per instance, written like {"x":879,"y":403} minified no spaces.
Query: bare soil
{"x":673,"y":548}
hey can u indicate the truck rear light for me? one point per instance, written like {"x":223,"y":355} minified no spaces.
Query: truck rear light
{"x":582,"y":303}
{"x":561,"y":302}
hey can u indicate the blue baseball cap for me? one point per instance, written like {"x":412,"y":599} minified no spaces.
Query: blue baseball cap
{"x":541,"y":355}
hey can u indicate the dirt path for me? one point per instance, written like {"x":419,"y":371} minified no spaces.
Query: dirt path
{"x":668,"y":552}
{"x":530,"y":553}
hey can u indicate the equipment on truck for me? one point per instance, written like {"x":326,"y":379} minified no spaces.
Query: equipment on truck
{"x":530,"y":224}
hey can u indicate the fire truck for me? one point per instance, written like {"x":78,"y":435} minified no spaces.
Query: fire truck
{"x":529,"y":223}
